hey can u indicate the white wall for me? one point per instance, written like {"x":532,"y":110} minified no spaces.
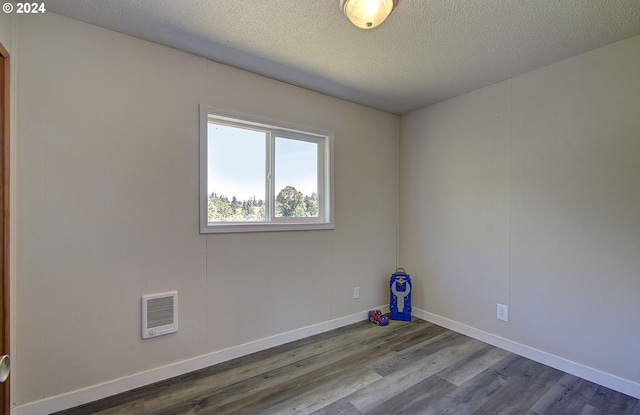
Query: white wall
{"x":527,"y":193}
{"x":5,"y":30}
{"x":107,"y":210}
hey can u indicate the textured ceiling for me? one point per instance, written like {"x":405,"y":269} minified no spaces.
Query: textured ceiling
{"x":427,"y":51}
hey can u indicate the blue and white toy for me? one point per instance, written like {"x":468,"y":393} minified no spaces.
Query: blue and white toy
{"x":400,"y":295}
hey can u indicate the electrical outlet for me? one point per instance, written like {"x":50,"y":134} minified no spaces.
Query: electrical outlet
{"x":356,"y":292}
{"x":503,"y":312}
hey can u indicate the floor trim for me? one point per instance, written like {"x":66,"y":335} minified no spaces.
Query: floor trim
{"x":95,"y":392}
{"x":114,"y":387}
{"x":585,"y":372}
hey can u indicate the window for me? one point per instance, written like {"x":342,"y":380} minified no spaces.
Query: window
{"x":259,"y":174}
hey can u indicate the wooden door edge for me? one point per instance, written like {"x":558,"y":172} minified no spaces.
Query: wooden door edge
{"x":5,"y":173}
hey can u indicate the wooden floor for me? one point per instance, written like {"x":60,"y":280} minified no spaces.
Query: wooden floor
{"x":404,"y":368}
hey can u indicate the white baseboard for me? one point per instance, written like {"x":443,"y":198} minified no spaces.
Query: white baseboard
{"x":594,"y":375}
{"x":114,"y":387}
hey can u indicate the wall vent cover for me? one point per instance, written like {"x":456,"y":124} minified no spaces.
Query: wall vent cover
{"x":159,"y":314}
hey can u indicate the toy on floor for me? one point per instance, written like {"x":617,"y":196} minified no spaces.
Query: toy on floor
{"x":400,"y":295}
{"x":376,"y":316}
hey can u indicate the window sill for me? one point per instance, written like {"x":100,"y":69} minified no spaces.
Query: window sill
{"x":264,"y":227}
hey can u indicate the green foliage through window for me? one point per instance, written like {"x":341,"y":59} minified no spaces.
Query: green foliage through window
{"x":292,"y":203}
{"x":221,"y":209}
{"x":289,"y":203}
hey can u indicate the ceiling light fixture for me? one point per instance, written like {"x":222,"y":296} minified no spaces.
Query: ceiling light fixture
{"x":367,"y":14}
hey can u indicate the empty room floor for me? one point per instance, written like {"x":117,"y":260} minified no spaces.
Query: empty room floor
{"x":404,"y":368}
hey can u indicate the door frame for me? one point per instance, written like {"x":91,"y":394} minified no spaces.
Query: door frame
{"x":5,"y":397}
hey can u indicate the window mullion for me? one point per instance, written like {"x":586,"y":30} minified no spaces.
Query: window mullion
{"x":270,"y":200}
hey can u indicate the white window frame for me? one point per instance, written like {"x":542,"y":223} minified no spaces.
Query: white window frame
{"x":275,"y":128}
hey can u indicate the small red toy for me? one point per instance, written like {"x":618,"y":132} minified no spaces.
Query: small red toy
{"x":376,"y":316}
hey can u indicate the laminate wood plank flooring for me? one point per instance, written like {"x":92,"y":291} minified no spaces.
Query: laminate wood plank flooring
{"x":412,"y":368}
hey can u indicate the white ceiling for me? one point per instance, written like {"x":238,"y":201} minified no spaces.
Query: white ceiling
{"x":427,"y":51}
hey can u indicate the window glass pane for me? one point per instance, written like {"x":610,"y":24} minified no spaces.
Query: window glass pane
{"x":236,"y":174}
{"x":296,"y":178}
{"x":262,"y":175}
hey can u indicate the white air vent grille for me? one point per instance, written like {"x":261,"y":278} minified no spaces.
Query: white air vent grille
{"x":159,"y":314}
